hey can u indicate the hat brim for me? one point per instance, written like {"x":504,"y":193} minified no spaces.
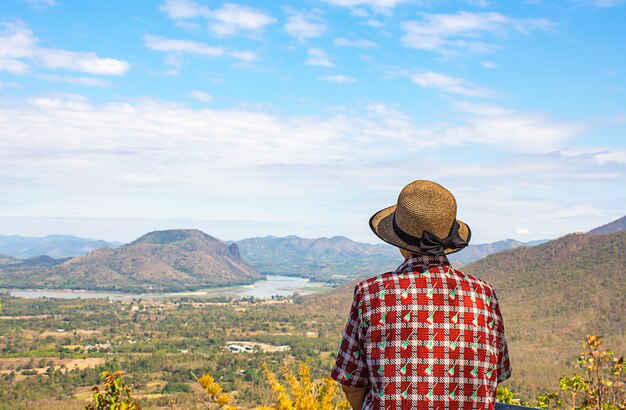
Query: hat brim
{"x":381,"y":224}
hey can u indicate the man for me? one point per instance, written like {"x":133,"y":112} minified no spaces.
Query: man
{"x":425,"y":336}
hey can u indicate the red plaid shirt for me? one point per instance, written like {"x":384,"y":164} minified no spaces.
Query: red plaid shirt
{"x":426,"y":336}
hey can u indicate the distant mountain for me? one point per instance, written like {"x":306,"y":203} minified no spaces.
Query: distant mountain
{"x":5,"y":259}
{"x":474,"y":252}
{"x":331,"y":259}
{"x":537,"y":242}
{"x":20,"y":273}
{"x":338,"y":259}
{"x":163,"y":260}
{"x":617,"y":225}
{"x":56,"y":246}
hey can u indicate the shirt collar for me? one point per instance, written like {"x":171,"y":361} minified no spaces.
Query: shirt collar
{"x":420,"y":263}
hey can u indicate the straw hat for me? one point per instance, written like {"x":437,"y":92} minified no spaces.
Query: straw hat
{"x":423,"y":221}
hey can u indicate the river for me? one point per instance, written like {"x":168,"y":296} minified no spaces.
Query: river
{"x":274,"y":285}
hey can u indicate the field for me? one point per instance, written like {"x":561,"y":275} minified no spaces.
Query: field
{"x":54,"y":351}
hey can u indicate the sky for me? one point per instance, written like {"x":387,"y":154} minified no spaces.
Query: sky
{"x":254,"y":118}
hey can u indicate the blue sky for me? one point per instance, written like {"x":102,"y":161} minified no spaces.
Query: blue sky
{"x":255,"y":118}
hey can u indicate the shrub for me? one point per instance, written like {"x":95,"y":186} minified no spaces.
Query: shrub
{"x":116,"y":395}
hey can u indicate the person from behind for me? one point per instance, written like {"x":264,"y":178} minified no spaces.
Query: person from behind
{"x":425,"y":336}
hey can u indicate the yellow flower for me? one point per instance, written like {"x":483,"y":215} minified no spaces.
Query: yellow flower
{"x":213,"y":389}
{"x":222,"y":399}
{"x":206,"y":380}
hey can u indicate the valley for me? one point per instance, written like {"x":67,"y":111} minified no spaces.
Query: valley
{"x":52,"y":351}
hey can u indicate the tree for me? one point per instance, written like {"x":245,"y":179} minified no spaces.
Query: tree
{"x":602,"y":387}
{"x":112,"y":398}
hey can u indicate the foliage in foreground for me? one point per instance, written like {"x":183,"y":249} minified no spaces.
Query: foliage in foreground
{"x":299,"y":392}
{"x":601,"y":387}
{"x":116,"y":395}
{"x":296,"y":392}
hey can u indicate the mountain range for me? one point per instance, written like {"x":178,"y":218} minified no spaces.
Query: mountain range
{"x":333,"y":260}
{"x":337,"y":258}
{"x":185,"y":259}
{"x":268,"y":253}
{"x":56,"y":246}
{"x":165,"y":260}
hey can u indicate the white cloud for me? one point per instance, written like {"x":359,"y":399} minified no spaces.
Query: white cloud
{"x":200,"y":96}
{"x":577,"y":211}
{"x":341,"y":79}
{"x":117,"y":158}
{"x":341,"y":41}
{"x":85,"y":62}
{"x":231,"y":18}
{"x":522,"y":231}
{"x":156,"y":142}
{"x":455,"y":85}
{"x":599,"y":155}
{"x":601,"y":3}
{"x":160,"y":43}
{"x":246,"y":56}
{"x":13,"y":66}
{"x":184,"y":9}
{"x":375,"y":23}
{"x":489,"y":64}
{"x":19,"y":49}
{"x":228,"y":20}
{"x":359,"y":12}
{"x":10,"y":84}
{"x":479,"y":3}
{"x":612,"y":155}
{"x":318,"y":57}
{"x":511,"y":130}
{"x":87,"y":81}
{"x":304,"y":25}
{"x":450,"y":33}
{"x":176,"y":47}
{"x":40,"y":4}
{"x":175,"y":60}
{"x":375,"y":4}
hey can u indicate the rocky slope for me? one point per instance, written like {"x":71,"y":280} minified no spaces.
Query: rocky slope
{"x":163,"y":260}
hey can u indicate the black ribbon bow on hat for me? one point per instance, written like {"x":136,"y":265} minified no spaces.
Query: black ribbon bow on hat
{"x":429,"y":243}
